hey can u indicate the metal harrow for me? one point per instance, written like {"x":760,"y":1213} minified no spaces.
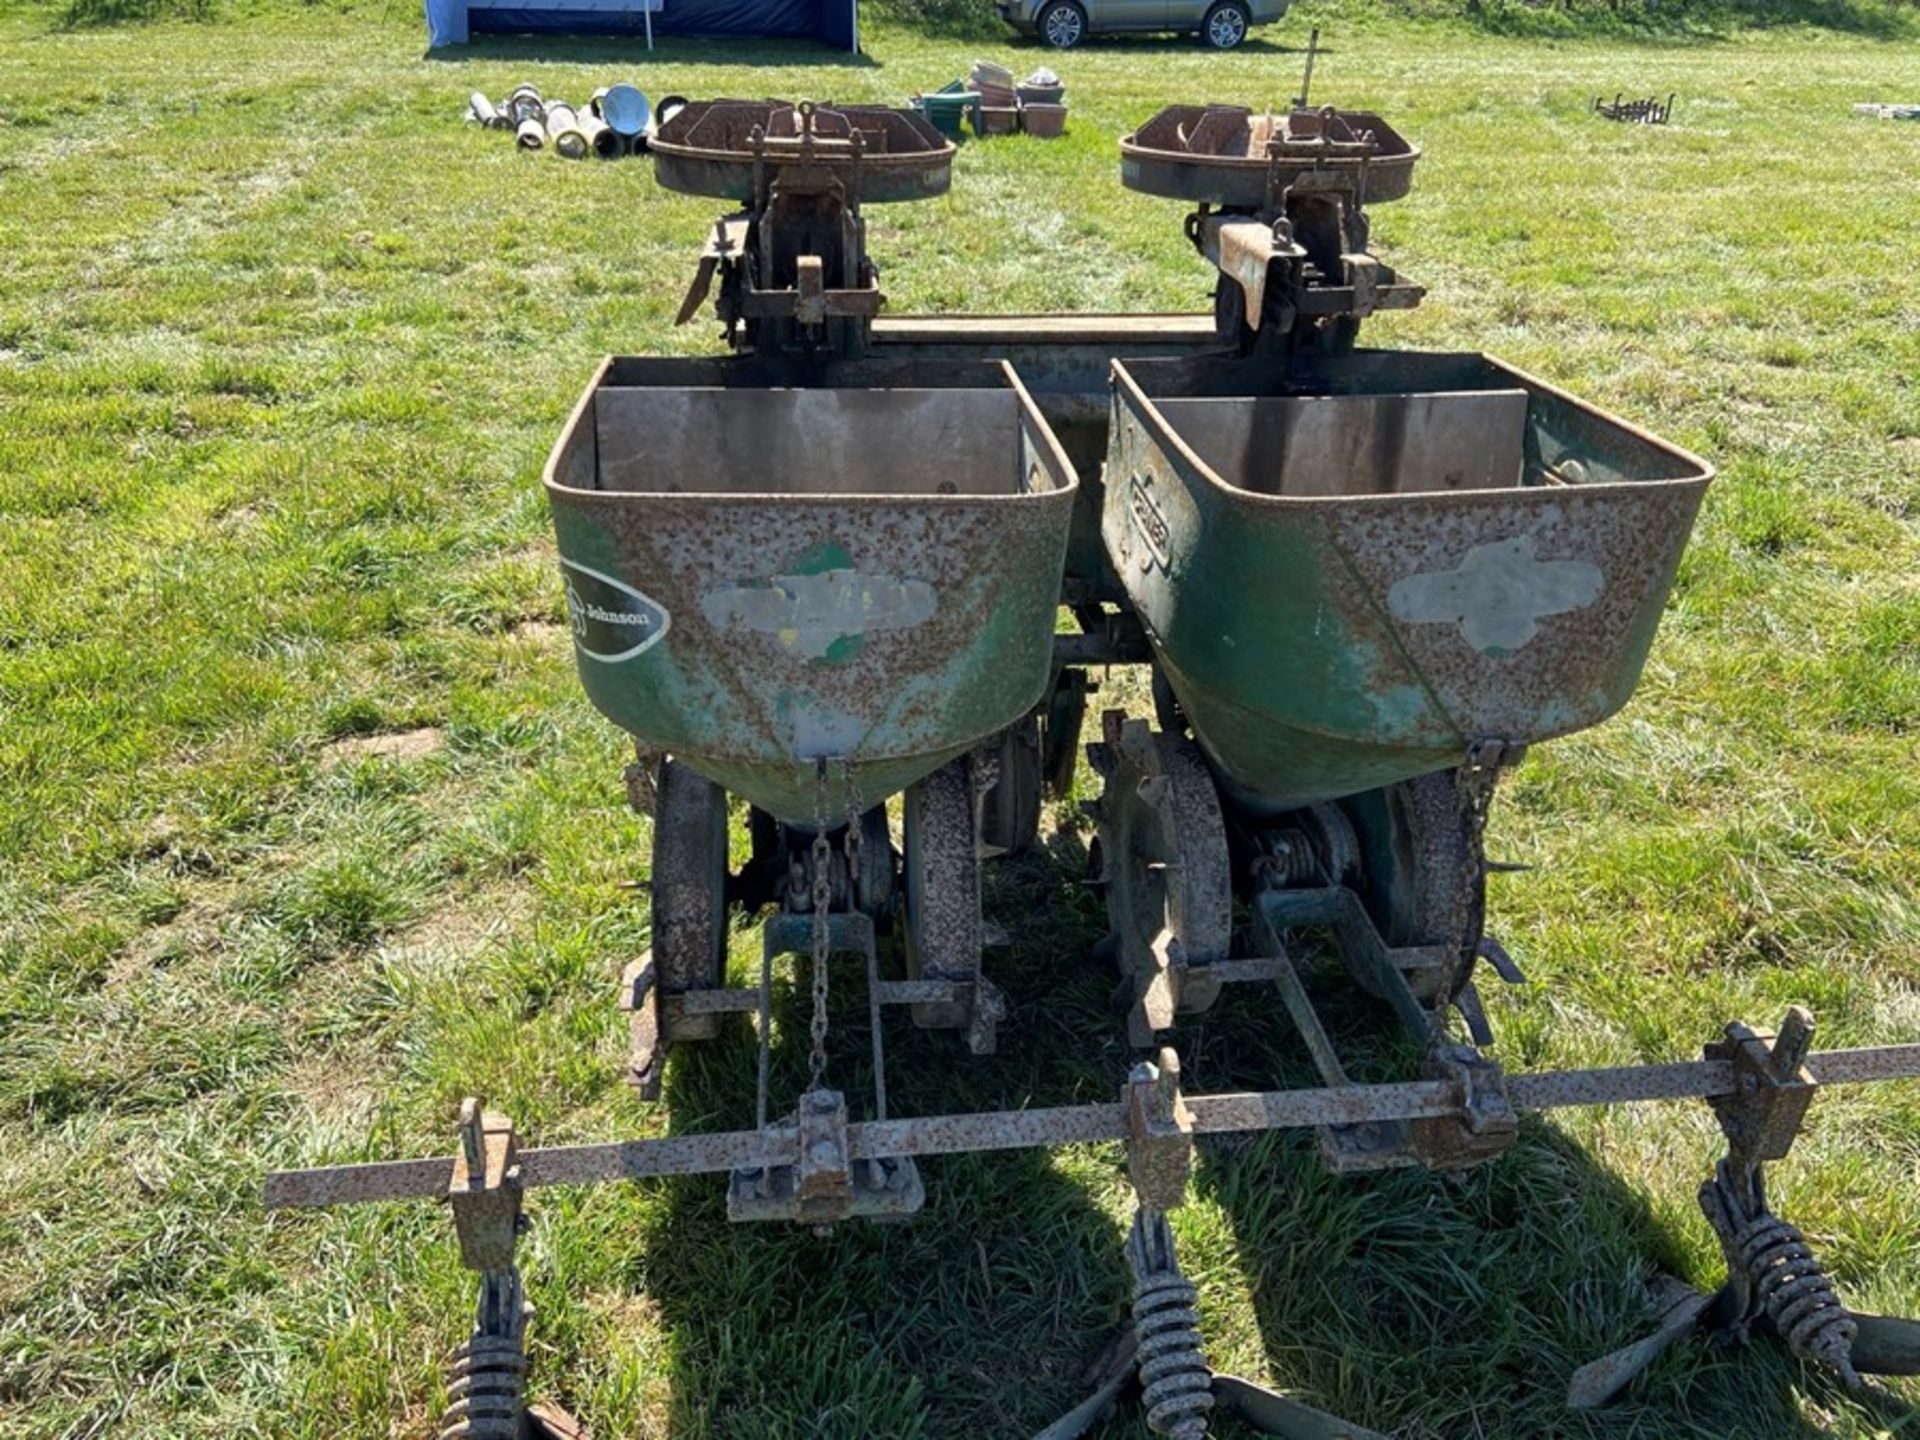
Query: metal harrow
{"x":1758,"y":1084}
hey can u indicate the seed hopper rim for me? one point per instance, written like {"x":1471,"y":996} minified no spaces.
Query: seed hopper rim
{"x":1245,"y":181}
{"x":1028,"y":410}
{"x":1700,"y":472}
{"x":727,"y":173}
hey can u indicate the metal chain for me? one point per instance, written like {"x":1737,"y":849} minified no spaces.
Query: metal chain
{"x":1475,"y":781}
{"x":854,"y":839}
{"x":822,"y":903}
{"x":856,"y":898}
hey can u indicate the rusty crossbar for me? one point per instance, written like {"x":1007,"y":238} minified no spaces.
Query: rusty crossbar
{"x":426,"y":1179}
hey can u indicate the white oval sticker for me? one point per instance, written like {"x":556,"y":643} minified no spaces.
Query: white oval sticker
{"x":612,"y":621}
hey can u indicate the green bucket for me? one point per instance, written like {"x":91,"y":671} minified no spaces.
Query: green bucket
{"x":946,"y":109}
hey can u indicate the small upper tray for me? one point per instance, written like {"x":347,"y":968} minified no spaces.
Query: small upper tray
{"x":710,"y":147}
{"x":1228,"y":155}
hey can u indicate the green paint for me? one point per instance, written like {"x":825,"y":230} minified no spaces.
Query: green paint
{"x":830,"y":555}
{"x":847,"y":647}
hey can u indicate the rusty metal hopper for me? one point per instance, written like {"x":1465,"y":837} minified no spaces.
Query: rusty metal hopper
{"x":711,"y":147}
{"x":1350,"y":575}
{"x":762,"y":579}
{"x":1230,"y":156}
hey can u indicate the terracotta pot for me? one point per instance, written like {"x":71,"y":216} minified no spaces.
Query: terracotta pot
{"x":1044,"y":122}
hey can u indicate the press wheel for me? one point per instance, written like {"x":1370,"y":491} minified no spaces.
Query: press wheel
{"x":1164,"y":863}
{"x":875,"y":883}
{"x":1423,"y":877}
{"x":688,"y":883}
{"x":1010,"y":810}
{"x":942,"y":865}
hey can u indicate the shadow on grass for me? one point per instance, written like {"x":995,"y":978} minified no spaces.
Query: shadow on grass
{"x":979,"y":1316}
{"x":1462,"y":1305}
{"x":631,"y":51}
{"x":1404,"y":1301}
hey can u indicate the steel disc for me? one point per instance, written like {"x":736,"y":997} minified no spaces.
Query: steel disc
{"x":1168,"y":880}
{"x":942,"y":866}
{"x":1421,"y":874}
{"x":1010,"y":810}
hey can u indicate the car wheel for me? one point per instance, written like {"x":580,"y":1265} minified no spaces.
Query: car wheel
{"x":1063,"y":25}
{"x":1226,"y":25}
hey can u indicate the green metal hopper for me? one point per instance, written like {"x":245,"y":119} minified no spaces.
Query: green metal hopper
{"x":1351,"y":574}
{"x":762,"y":579}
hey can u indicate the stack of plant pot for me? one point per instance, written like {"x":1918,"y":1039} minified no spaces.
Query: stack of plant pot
{"x":999,"y":112}
{"x":1043,"y":109}
{"x":990,"y":100}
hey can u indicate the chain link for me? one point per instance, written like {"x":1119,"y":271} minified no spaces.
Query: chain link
{"x":1475,"y":782}
{"x":856,"y":891}
{"x":822,"y":903}
{"x":822,"y":858}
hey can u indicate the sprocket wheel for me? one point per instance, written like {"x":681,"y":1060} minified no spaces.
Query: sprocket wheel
{"x":1423,"y":875}
{"x":1168,"y":878}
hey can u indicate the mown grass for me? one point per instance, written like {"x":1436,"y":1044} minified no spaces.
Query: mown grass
{"x":282,"y":346}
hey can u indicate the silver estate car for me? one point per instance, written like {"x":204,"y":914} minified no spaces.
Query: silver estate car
{"x":1063,"y":24}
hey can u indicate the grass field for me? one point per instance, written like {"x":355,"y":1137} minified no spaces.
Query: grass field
{"x":282,"y":346}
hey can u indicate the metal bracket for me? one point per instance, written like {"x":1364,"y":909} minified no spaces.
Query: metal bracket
{"x":809,"y":291}
{"x":1159,"y":1133}
{"x":1773,"y":1088}
{"x":486,"y":1375}
{"x":1248,"y":251}
{"x":485,"y":1189}
{"x":1363,"y":275}
{"x":1385,"y":967}
{"x":1484,"y":1125}
{"x":824,"y":1184}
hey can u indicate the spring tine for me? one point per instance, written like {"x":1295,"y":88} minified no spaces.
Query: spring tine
{"x":1886,"y":1345}
{"x":1598,"y":1381}
{"x":1467,"y":1002}
{"x":1274,"y":1414}
{"x":1176,"y":1385}
{"x":1495,"y":954}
